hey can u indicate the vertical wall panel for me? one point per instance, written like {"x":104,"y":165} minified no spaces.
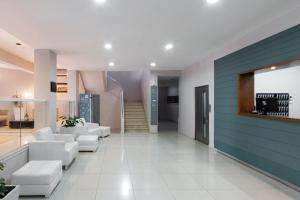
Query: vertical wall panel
{"x":270,"y":145}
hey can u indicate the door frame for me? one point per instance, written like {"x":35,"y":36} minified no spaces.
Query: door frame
{"x":208,"y":113}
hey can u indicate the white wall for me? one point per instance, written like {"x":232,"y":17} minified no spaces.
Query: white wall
{"x":198,"y":75}
{"x":202,"y":73}
{"x":12,"y":81}
{"x":286,"y":80}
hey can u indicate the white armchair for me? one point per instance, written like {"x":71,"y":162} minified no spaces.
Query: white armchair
{"x":50,"y":146}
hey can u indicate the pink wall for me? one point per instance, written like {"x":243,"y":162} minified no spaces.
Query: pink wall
{"x":111,"y":107}
{"x":130,"y":81}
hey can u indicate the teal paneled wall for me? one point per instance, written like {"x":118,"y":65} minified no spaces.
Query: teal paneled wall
{"x":273,"y":146}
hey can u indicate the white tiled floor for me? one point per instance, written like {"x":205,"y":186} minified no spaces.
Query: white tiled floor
{"x":163,"y":167}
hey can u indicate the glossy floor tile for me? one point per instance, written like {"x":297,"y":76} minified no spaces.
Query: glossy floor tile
{"x":164,"y":166}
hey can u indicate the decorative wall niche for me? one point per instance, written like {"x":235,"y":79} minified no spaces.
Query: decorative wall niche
{"x":269,"y":91}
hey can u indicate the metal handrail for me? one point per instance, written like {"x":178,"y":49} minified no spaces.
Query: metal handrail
{"x":121,"y":103}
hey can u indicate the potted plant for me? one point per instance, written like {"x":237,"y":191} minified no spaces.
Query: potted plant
{"x":8,"y":192}
{"x":68,"y":125}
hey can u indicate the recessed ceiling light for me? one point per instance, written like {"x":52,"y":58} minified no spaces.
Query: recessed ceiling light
{"x":108,"y":46}
{"x":273,"y":67}
{"x":212,"y":1}
{"x":169,"y":46}
{"x":100,"y":1}
{"x":111,"y":64}
{"x":153,"y":64}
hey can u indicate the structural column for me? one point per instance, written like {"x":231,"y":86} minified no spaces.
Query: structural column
{"x":73,"y":89}
{"x":45,"y":64}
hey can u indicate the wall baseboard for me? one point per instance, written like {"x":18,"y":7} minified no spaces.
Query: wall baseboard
{"x":288,"y":184}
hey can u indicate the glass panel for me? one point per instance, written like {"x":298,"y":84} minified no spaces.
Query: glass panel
{"x":204,"y":113}
{"x":18,"y":120}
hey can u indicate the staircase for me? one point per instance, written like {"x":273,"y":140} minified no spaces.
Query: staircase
{"x":135,"y":117}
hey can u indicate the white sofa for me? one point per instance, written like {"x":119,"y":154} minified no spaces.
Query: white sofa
{"x":54,"y":147}
{"x":93,"y":129}
{"x":105,"y":131}
{"x":38,"y":177}
{"x":88,"y":142}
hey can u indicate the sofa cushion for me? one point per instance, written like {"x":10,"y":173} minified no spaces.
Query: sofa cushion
{"x":44,"y":134}
{"x":37,"y":173}
{"x":71,"y":146}
{"x":105,"y":131}
{"x":71,"y":151}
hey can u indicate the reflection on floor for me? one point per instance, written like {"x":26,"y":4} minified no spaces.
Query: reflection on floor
{"x":163,"y":167}
{"x":10,"y":139}
{"x":167,"y":126}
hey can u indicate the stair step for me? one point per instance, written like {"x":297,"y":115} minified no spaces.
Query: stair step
{"x":139,"y":109}
{"x":133,"y":104}
{"x":135,"y":117}
{"x":136,"y":125}
{"x":135,"y":113}
{"x":136,"y":131}
{"x":135,"y":120}
{"x":136,"y":128}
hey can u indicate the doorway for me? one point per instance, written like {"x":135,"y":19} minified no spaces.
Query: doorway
{"x":168,"y":104}
{"x":202,"y":114}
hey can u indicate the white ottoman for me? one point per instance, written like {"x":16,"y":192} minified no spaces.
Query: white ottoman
{"x":38,"y":178}
{"x":105,"y":131}
{"x":88,"y":142}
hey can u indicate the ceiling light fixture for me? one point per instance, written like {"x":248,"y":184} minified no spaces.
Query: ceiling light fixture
{"x":153,"y":64}
{"x":169,"y":47}
{"x":108,"y":46}
{"x":100,"y":1}
{"x":111,"y":64}
{"x":212,"y":1}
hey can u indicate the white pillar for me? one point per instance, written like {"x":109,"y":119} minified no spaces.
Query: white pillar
{"x":45,"y":64}
{"x":73,"y":88}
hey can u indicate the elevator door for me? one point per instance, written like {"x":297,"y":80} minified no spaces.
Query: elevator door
{"x":202,"y":114}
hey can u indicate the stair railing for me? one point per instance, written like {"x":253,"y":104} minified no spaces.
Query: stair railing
{"x":121,"y":104}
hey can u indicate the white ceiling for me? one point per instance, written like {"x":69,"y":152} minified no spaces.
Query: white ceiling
{"x":137,"y":29}
{"x":8,"y":42}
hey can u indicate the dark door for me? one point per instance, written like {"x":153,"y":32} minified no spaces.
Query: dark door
{"x":162,"y":103}
{"x":202,"y":114}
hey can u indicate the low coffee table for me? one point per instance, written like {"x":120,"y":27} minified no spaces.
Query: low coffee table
{"x":21,"y":124}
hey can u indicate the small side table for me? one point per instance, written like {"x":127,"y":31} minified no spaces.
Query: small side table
{"x":21,"y":124}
